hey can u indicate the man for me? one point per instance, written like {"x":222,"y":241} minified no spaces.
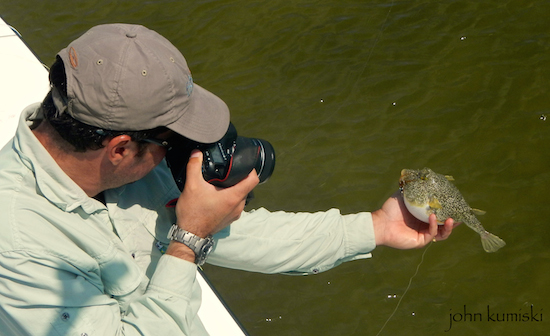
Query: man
{"x":84,"y":188}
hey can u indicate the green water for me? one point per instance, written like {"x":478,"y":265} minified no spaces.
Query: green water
{"x":349,"y":93}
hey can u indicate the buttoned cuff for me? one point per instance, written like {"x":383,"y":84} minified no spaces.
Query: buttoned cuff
{"x":359,"y":234}
{"x":173,"y":277}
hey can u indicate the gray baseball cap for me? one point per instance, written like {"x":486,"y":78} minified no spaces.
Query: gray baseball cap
{"x":127,"y":77}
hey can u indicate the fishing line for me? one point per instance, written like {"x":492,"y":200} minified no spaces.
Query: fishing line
{"x":406,"y":289}
{"x":380,"y":32}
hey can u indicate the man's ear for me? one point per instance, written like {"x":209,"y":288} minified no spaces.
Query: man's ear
{"x":119,"y":148}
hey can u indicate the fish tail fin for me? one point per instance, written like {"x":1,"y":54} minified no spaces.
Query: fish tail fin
{"x":490,"y":242}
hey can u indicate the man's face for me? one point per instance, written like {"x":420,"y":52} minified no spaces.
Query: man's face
{"x":138,"y":164}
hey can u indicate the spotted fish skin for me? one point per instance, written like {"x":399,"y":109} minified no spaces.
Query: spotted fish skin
{"x":426,"y":192}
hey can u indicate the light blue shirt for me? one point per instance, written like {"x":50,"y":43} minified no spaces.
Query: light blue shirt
{"x":72,"y":265}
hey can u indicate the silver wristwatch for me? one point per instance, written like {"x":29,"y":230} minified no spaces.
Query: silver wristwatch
{"x":201,"y":246}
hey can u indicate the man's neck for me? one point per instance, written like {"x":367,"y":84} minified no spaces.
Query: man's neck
{"x":82,"y":168}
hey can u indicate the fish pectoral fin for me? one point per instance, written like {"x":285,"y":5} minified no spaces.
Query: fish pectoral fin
{"x":434,"y":203}
{"x":449,"y":178}
{"x":478,"y":212}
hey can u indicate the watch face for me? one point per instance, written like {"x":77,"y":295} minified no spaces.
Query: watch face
{"x":207,"y":248}
{"x":205,"y":251}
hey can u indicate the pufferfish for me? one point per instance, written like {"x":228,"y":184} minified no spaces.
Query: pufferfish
{"x":426,"y":192}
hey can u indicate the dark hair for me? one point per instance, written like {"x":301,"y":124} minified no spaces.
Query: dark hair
{"x":82,"y":136}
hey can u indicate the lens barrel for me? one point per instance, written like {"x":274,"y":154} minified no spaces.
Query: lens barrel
{"x":227,"y":161}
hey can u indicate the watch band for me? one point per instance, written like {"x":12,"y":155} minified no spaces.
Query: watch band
{"x":200,"y":246}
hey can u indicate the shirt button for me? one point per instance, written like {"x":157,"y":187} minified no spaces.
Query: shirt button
{"x":65,"y":316}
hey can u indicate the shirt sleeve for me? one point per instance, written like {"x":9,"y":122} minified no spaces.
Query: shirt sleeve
{"x":293,"y":243}
{"x":47,"y":296}
{"x":169,"y":305}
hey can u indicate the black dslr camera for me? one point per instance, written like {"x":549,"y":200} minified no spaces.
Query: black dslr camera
{"x":226,"y":162}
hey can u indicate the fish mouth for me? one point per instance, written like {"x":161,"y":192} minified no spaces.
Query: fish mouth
{"x":405,"y":178}
{"x":402,"y":179}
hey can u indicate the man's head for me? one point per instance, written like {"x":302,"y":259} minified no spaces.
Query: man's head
{"x":127,"y":77}
{"x":118,"y":92}
{"x":80,"y":136}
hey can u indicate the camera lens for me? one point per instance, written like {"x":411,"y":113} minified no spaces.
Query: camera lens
{"x":225,"y":162}
{"x":265,"y":164}
{"x":247,"y":154}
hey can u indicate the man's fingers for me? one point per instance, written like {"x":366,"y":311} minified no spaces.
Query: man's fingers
{"x":433,"y":225}
{"x":446,"y":229}
{"x":245,"y":186}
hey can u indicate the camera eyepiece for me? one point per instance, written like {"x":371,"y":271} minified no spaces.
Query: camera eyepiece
{"x":225,"y":162}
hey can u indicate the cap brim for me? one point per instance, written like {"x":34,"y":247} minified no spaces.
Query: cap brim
{"x":206,"y":118}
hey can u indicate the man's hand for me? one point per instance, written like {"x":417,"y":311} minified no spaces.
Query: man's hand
{"x":203,"y":208}
{"x":395,"y":227}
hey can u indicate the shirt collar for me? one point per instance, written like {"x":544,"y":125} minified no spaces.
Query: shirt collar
{"x":51,"y":180}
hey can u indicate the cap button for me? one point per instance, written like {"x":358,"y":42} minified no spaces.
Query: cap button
{"x":131,"y":35}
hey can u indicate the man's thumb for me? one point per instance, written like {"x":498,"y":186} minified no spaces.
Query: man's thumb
{"x":194,"y":166}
